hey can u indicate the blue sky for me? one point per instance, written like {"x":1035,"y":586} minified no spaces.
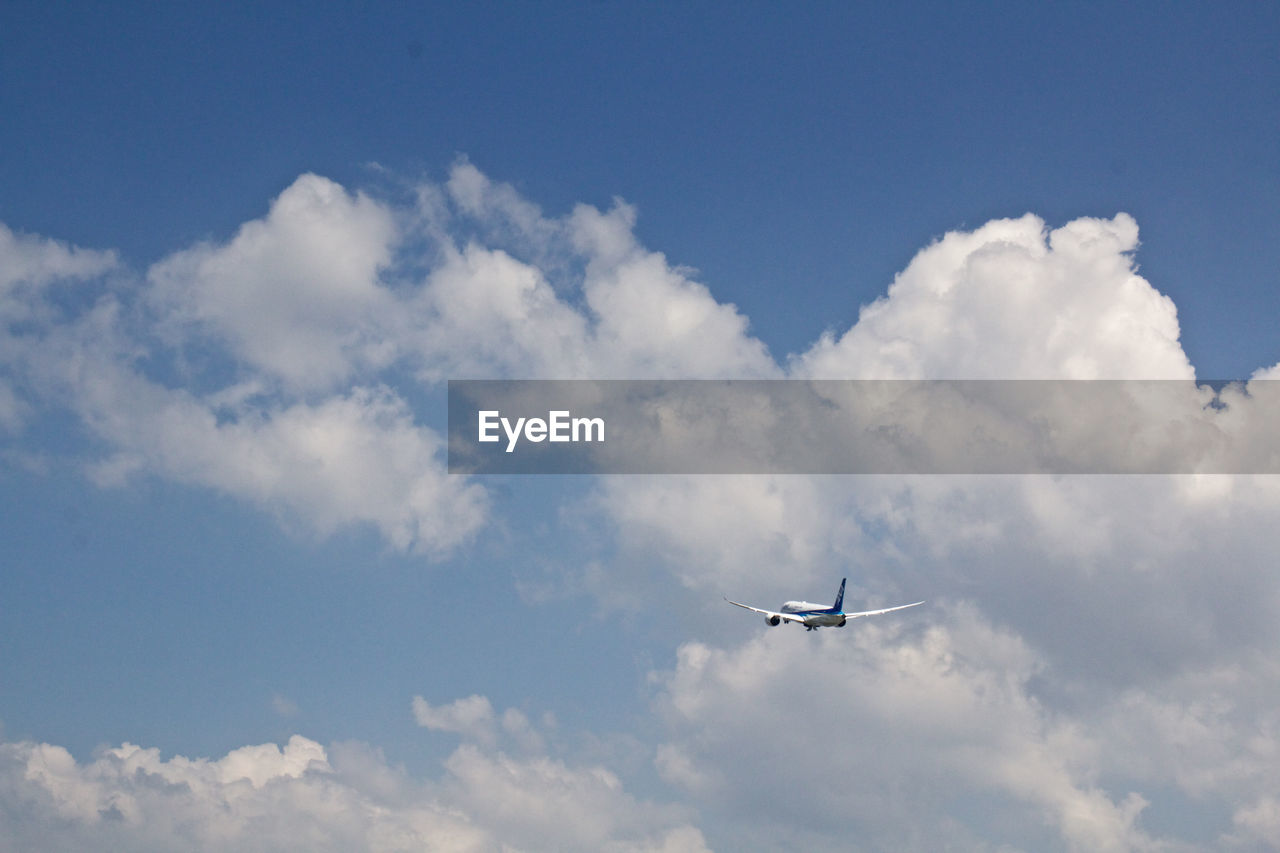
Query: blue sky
{"x":851,"y":136}
{"x":243,"y":247}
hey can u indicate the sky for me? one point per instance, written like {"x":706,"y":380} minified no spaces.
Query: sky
{"x":245,"y":607}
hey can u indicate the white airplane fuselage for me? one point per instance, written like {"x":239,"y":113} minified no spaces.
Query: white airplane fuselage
{"x":813,"y":616}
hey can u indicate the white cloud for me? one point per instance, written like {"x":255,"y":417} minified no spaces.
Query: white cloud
{"x":1130,"y":677}
{"x":1113,"y":648}
{"x":474,"y":719}
{"x":653,"y":321}
{"x":483,"y":313}
{"x":1011,"y":300}
{"x":503,"y":213}
{"x":1115,"y":579}
{"x":911,"y":735}
{"x":576,"y":297}
{"x":296,"y":321}
{"x":1213,"y":731}
{"x":729,"y":533}
{"x":1259,"y":824}
{"x":354,"y":458}
{"x":357,"y":458}
{"x":304,"y":797}
{"x":315,"y":302}
{"x":29,"y":266}
{"x":254,"y":798}
{"x":1131,"y":674}
{"x":33,"y":261}
{"x":541,"y":799}
{"x":471,"y":717}
{"x":295,"y":295}
{"x":549,"y":805}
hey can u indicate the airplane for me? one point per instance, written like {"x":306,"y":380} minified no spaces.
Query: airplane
{"x":815,"y":616}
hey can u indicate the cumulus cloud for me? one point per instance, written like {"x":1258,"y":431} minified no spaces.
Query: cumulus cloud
{"x":306,"y":797}
{"x":1103,"y":654}
{"x":275,"y":365}
{"x":352,"y":456}
{"x":254,"y":798}
{"x":1013,"y":300}
{"x":721,"y":533}
{"x":1108,"y":666}
{"x":484,"y":313}
{"x":653,"y":320}
{"x":539,"y":798}
{"x":920,"y":738}
{"x":1115,"y":580}
{"x":295,"y":295}
{"x":313,"y":310}
{"x":549,"y":805}
{"x":351,"y":459}
{"x":569,"y":297}
{"x":1126,"y":678}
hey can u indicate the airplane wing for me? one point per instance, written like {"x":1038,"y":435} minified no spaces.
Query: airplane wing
{"x":787,"y":617}
{"x":878,"y":612}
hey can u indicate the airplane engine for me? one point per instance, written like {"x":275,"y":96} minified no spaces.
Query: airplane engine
{"x":775,"y":621}
{"x":842,"y":621}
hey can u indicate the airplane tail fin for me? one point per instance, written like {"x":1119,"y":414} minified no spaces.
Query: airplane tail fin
{"x":839,"y":596}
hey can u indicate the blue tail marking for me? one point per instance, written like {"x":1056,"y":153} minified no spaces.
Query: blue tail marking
{"x":839,"y":597}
